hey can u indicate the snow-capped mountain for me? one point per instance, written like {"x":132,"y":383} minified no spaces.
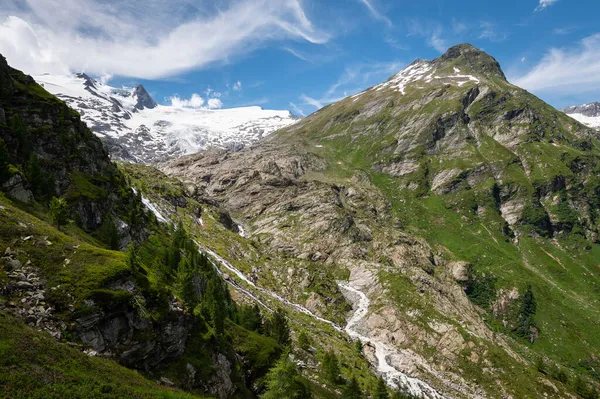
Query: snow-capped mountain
{"x":588,"y":114}
{"x":135,"y":128}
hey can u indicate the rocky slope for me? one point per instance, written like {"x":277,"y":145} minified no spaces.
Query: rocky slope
{"x":446,"y":196}
{"x":136,"y":129}
{"x":61,"y":274}
{"x":588,"y":114}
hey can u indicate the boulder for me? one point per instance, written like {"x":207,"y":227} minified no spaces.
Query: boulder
{"x":460,"y":270}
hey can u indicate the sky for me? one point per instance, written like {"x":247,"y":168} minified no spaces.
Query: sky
{"x":298,"y":54}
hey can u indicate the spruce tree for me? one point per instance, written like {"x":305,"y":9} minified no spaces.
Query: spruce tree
{"x":352,"y":390}
{"x":331,"y":367}
{"x":21,"y":134}
{"x":4,"y":162}
{"x":59,"y":212}
{"x":381,"y":391}
{"x":132,"y":259}
{"x":283,"y":381}
{"x":526,"y":313}
{"x":279,"y":329}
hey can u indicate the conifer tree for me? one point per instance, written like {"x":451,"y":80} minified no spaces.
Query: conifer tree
{"x":279,"y":329}
{"x":352,"y":390}
{"x":331,"y":367}
{"x":59,"y":212}
{"x":283,"y":381}
{"x":381,"y":391}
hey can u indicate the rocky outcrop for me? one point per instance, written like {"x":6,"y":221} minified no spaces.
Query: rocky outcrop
{"x":131,"y":336}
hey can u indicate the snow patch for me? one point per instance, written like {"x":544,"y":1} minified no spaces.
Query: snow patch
{"x":590,"y":121}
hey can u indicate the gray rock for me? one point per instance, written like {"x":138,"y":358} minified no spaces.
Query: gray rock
{"x":15,"y":189}
{"x":460,"y":270}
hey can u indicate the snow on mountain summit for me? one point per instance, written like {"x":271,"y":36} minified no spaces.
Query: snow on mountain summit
{"x":135,"y":128}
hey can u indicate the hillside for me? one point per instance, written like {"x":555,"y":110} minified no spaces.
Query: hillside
{"x":463,"y":207}
{"x":95,"y":282}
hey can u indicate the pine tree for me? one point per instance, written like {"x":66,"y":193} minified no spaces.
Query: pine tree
{"x":526,"y":313}
{"x":381,"y":391}
{"x":279,"y":329}
{"x":331,"y":367}
{"x":283,"y":381}
{"x":303,"y":341}
{"x":21,"y":133}
{"x":132,"y":259}
{"x":4,"y":161}
{"x":250,"y":318}
{"x":59,"y":212}
{"x":109,"y":234}
{"x":34,"y":175}
{"x":352,"y":390}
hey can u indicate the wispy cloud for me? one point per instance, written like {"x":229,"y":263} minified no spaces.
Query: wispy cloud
{"x":297,"y":110}
{"x":437,"y":42}
{"x":297,"y":54}
{"x":195,"y":101}
{"x":431,"y":31}
{"x":566,"y":71}
{"x":311,"y":101}
{"x":375,"y":13}
{"x":489,"y":32}
{"x":354,"y":79}
{"x":545,"y":4}
{"x":157,"y":40}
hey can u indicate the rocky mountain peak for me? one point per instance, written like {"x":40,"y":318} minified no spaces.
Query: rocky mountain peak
{"x":144,"y":100}
{"x":591,"y":109}
{"x":472,"y":58}
{"x":87,"y":80}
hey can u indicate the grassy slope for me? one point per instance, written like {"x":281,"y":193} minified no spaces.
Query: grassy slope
{"x":34,"y":365}
{"x":564,"y":272}
{"x":245,"y":254}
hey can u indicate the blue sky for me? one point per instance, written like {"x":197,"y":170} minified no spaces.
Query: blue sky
{"x":299,"y":54}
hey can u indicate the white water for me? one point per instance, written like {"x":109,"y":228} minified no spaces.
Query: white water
{"x":393,"y":377}
{"x":151,"y":207}
{"x":271,"y":294}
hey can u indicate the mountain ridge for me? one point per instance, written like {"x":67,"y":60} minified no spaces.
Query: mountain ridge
{"x":136,"y":129}
{"x":443,"y":194}
{"x":588,"y":114}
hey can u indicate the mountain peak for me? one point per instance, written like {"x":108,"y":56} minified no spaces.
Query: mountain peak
{"x":473,"y":58}
{"x":144,"y":100}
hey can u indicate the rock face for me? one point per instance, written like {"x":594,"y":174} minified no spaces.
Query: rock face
{"x":73,"y":162}
{"x":451,"y":135}
{"x":135,"y":340}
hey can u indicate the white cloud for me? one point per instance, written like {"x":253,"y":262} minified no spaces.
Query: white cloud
{"x":544,"y":4}
{"x":214,"y":103}
{"x":376,"y":14}
{"x":296,"y":109}
{"x":566,"y":71}
{"x":158,"y":39}
{"x":436,"y":41}
{"x":311,"y":101}
{"x":195,"y":101}
{"x":237,"y":86}
{"x":433,"y":33}
{"x":354,"y":79}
